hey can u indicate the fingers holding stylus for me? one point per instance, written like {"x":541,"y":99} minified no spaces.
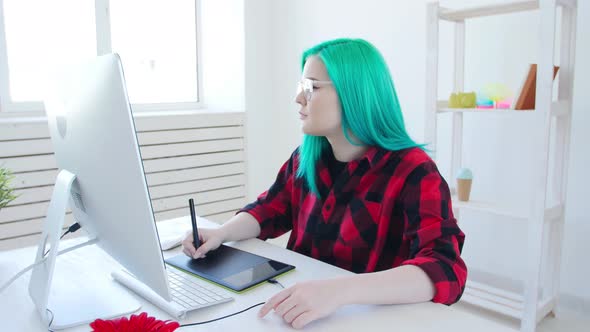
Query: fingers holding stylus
{"x":210,"y":239}
{"x":188,"y":247}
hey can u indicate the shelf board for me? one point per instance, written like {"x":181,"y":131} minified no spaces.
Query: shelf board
{"x":487,"y":207}
{"x":558,"y":108}
{"x":489,"y":10}
{"x":483,"y":110}
{"x":552,"y":214}
{"x":503,"y":301}
{"x":492,"y":298}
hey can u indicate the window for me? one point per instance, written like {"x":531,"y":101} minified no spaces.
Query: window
{"x":32,"y":47}
{"x":156,"y":39}
{"x":158,"y":48}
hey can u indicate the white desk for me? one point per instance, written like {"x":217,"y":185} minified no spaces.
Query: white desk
{"x":17,"y":312}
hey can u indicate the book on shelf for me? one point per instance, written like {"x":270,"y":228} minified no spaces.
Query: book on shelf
{"x":525,"y":96}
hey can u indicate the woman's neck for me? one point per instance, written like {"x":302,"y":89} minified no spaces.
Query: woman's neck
{"x":344,"y":151}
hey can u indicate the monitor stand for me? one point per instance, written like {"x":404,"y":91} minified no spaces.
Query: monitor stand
{"x":73,"y":294}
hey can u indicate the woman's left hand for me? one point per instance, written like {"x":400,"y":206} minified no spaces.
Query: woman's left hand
{"x":305,"y":302}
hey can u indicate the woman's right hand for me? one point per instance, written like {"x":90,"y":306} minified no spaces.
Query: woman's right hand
{"x":211,"y":239}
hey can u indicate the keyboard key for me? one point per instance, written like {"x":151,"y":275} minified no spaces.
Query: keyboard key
{"x":191,"y":293}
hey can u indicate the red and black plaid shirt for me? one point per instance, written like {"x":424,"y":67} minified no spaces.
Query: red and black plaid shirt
{"x":386,"y":209}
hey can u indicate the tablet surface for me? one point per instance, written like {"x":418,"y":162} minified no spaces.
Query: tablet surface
{"x":230,"y":267}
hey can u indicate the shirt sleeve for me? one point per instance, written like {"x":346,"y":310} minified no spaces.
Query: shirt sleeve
{"x":273,"y":208}
{"x":435,"y":238}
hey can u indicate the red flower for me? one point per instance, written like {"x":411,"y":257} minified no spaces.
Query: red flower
{"x":135,"y":323}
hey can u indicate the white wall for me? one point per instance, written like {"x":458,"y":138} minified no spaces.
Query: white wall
{"x":260,"y":132}
{"x":277,"y":32}
{"x":222,"y":54}
{"x":273,"y":63}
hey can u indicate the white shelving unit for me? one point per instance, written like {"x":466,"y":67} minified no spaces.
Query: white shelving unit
{"x":540,"y":295}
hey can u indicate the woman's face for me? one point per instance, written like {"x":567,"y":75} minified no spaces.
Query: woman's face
{"x":320,"y":112}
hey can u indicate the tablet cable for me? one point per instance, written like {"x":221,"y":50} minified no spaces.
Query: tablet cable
{"x":71,"y":229}
{"x":270,"y":281}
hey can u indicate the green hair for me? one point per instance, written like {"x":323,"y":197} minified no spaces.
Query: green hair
{"x":370,"y":108}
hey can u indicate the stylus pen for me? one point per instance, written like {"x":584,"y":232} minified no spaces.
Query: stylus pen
{"x":196,"y":241}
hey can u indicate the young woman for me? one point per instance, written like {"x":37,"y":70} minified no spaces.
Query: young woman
{"x":358,"y":193}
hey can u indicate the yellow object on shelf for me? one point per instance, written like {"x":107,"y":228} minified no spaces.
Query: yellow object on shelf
{"x":462,"y":100}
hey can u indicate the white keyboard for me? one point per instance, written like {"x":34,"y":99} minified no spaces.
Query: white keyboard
{"x":188,"y":292}
{"x":192,"y":293}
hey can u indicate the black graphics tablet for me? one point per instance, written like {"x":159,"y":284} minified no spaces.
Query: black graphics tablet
{"x":233,"y":268}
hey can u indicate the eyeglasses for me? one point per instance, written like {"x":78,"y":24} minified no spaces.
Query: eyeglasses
{"x":307,"y":85}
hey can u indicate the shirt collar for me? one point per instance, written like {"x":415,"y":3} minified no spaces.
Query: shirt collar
{"x":373,"y":155}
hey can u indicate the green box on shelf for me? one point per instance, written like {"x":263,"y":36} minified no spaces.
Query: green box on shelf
{"x":462,"y":100}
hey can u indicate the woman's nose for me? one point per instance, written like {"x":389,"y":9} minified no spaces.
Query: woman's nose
{"x":300,"y":99}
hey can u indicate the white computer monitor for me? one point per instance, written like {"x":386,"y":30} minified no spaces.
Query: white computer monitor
{"x":96,"y":148}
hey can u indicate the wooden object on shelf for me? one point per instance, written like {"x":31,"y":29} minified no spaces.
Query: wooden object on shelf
{"x":527,"y":92}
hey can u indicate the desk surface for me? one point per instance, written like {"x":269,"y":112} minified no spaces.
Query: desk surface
{"x":17,"y":312}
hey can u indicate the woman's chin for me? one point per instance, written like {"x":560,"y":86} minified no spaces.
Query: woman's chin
{"x":310,"y":132}
{"x":305,"y":128}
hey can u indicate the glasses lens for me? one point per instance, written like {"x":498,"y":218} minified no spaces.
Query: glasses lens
{"x":299,"y":88}
{"x":305,"y":86}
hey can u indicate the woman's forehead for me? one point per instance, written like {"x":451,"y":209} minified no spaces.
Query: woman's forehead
{"x":315,"y":69}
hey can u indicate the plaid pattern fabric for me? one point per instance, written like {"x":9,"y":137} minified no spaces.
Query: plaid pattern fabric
{"x":386,"y":209}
